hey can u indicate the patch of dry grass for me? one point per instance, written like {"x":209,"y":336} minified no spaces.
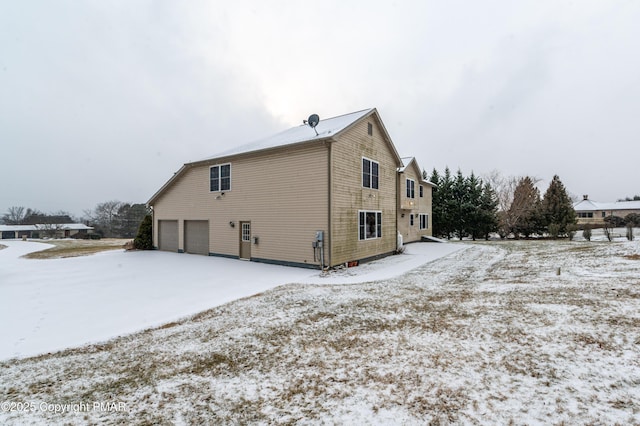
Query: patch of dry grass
{"x":465,"y":340}
{"x":74,"y":248}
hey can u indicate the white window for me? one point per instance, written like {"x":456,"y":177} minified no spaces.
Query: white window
{"x":220,"y":178}
{"x":246,"y":232}
{"x":424,"y":221}
{"x":411,"y":188}
{"x":370,"y":173}
{"x":369,"y":225}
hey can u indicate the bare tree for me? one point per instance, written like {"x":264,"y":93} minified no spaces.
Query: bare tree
{"x":103,"y":216}
{"x":15,"y":215}
{"x":50,"y":230}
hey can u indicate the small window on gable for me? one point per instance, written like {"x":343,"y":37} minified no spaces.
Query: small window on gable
{"x":370,"y":129}
{"x":220,"y":178}
{"x":421,"y":191}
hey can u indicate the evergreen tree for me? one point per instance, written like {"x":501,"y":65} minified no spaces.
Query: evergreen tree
{"x":473,"y":211}
{"x":436,"y":205}
{"x":488,"y":212}
{"x":557,"y":208}
{"x":525,"y":209}
{"x":144,"y":239}
{"x":446,"y":203}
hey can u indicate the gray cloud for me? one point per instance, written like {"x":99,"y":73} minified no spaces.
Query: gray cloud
{"x":105,"y":100}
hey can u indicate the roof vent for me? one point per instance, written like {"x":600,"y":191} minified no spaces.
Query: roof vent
{"x":585,"y":197}
{"x":312,"y":121}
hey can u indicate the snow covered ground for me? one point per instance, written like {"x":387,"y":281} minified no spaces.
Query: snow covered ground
{"x":518,"y":332}
{"x":55,"y":304}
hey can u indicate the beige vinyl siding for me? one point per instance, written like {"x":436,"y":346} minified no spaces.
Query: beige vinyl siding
{"x":349,"y":197}
{"x":184,"y":201}
{"x":283,"y":194}
{"x":413,"y":206}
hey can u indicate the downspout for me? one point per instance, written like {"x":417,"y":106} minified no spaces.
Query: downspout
{"x":398,"y":194}
{"x":329,"y":206}
{"x":154,"y":235}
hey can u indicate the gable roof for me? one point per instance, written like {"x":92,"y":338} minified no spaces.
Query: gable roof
{"x":327,"y":129}
{"x":411,"y":161}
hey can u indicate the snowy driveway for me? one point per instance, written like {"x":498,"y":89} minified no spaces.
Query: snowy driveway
{"x":53,"y":304}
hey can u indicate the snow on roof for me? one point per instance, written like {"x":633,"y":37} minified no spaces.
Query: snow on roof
{"x":302,"y":133}
{"x":589,"y":205}
{"x":405,"y":163}
{"x":41,"y":226}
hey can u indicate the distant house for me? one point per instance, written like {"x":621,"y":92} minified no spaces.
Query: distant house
{"x":314,"y":197}
{"x":42,"y":230}
{"x":594,"y":212}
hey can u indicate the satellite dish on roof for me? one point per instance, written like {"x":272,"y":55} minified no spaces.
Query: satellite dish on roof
{"x":313,"y":122}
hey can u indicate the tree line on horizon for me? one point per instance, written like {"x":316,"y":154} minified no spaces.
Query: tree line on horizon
{"x":110,"y":219}
{"x":468,"y":206}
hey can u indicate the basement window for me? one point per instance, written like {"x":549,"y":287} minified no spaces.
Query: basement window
{"x":369,"y":225}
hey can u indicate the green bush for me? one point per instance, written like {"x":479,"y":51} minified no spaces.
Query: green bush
{"x":632,"y":219}
{"x":614,"y":222}
{"x":144,"y":239}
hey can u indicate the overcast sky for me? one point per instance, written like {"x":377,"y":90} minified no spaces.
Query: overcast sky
{"x":103,"y":100}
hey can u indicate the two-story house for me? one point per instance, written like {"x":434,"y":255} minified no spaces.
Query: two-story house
{"x":316,"y":197}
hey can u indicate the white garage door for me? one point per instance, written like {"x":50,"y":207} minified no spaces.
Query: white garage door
{"x":168,"y":235}
{"x":196,"y":236}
